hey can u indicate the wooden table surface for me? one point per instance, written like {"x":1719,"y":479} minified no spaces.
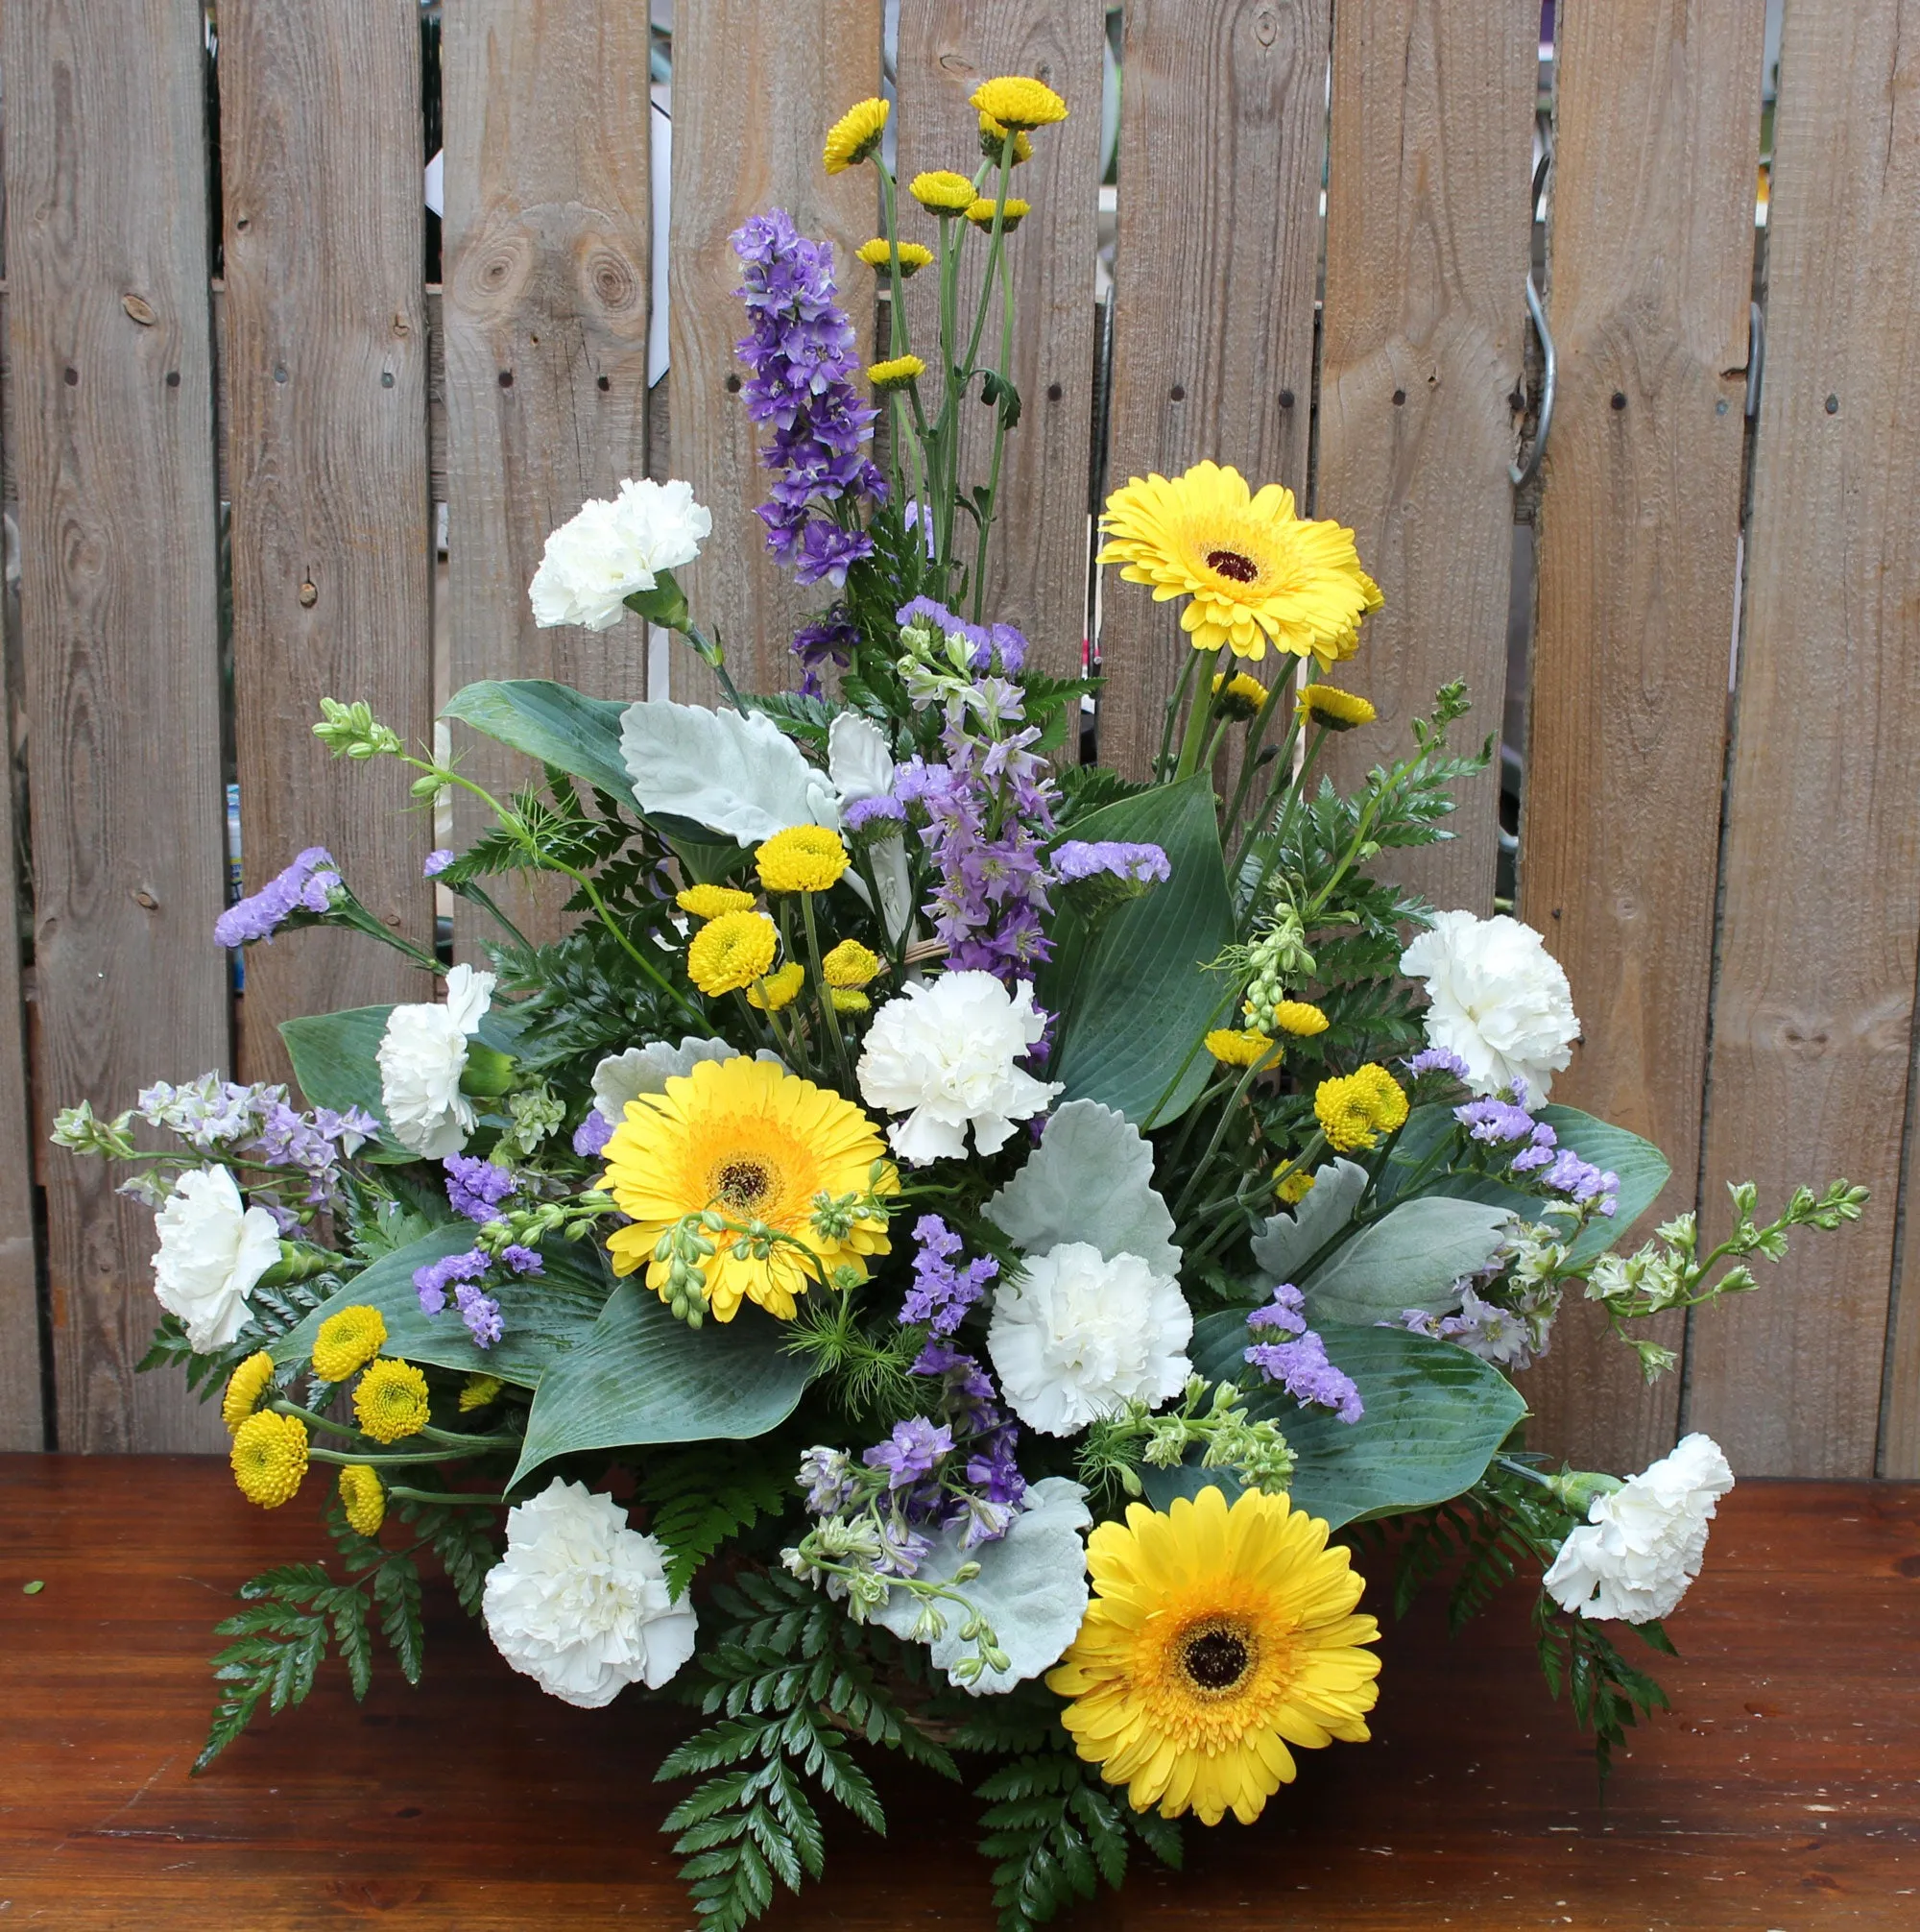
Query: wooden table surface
{"x":1782,"y":1791}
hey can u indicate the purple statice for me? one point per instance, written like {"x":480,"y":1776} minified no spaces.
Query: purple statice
{"x":433,"y":1279}
{"x":1437,"y":1060}
{"x":438,"y":861}
{"x":1498,"y":1121}
{"x":999,"y":649}
{"x":522,"y":1260}
{"x":306,"y":885}
{"x":476,"y":1188}
{"x":911,"y":1452}
{"x":805,"y":387}
{"x":1082,"y":859}
{"x":1296,"y":1358}
{"x":481,"y":1314}
{"x":940,"y":1293}
{"x":1582,"y":1181}
{"x":591,"y":1135}
{"x":861,"y":813}
{"x":1502,"y":1121}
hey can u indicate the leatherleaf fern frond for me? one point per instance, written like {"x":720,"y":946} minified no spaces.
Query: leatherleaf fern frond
{"x":795,"y":1684}
{"x":702,"y":1497}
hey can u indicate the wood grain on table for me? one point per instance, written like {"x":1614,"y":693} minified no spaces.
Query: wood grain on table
{"x":1780,"y":1792}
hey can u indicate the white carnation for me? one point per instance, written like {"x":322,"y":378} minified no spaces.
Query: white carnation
{"x":579,"y":1602}
{"x":214,"y":1248}
{"x":1644,"y":1543}
{"x":421,"y":1057}
{"x":1498,"y":999}
{"x":592,"y":562}
{"x":943,"y":1054}
{"x":1082,"y":1335}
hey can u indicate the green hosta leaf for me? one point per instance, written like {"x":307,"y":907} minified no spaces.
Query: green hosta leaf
{"x":644,"y":1377}
{"x":545,"y":1315}
{"x":1434,"y":1417}
{"x":334,"y":1063}
{"x":553,"y":723}
{"x":1410,"y":1258}
{"x":1132,"y":994}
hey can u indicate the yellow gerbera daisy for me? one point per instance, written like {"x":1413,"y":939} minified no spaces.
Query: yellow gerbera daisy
{"x":854,"y":135}
{"x":709,"y":901}
{"x":1355,"y":1110}
{"x":1299,"y":1016}
{"x":348,"y":1340}
{"x":802,"y":859}
{"x":878,"y":254}
{"x":390,"y":1401}
{"x":1337,"y":709}
{"x":1013,"y":211}
{"x":1216,"y":1638}
{"x":942,"y":191}
{"x":1017,"y":101}
{"x":1255,"y":573}
{"x":849,"y":964}
{"x":896,"y":372}
{"x":730,"y":952}
{"x":248,"y":1384}
{"x":779,"y":990}
{"x":1292,"y":1184}
{"x":1238,"y":1048}
{"x":993,"y":141}
{"x":363,"y":1498}
{"x":268,"y":1457}
{"x":759,"y":1143}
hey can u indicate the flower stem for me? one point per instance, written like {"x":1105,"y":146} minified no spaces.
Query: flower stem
{"x":824,"y":993}
{"x":454,"y":1496}
{"x":1198,"y":711}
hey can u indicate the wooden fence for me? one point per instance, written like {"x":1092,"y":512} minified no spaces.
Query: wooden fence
{"x":226,"y":446}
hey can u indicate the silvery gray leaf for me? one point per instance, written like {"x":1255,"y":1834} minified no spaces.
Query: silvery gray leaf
{"x":621,"y":1077}
{"x":737,"y":775}
{"x":1411,"y":1258}
{"x":1291,"y":1241}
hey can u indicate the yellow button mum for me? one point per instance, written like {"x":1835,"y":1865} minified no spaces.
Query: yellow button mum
{"x":390,"y":1401}
{"x":1329,"y":705}
{"x":777,"y":990}
{"x":1238,"y":1048}
{"x":854,"y":135}
{"x":730,"y":952}
{"x":1215,"y":1639}
{"x":709,"y":901}
{"x":802,"y":859}
{"x":896,"y":371}
{"x":994,"y":142}
{"x":1355,"y":1110}
{"x":1253,"y":571}
{"x":849,"y":964}
{"x":850,"y":999}
{"x":363,"y":1498}
{"x":759,"y":1143}
{"x":1240,"y":697}
{"x":348,"y":1340}
{"x":268,"y":1457}
{"x":478,"y":1392}
{"x":1017,"y":101}
{"x":1013,"y":211}
{"x":879,"y":254}
{"x":245,"y":1387}
{"x":942,"y":191}
{"x":1292,"y":1184}
{"x":1299,"y":1016}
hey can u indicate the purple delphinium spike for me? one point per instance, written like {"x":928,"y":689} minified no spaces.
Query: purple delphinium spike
{"x":591,"y":1135}
{"x":911,"y":1452}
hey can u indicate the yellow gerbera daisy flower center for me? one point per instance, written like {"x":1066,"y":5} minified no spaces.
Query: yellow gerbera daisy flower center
{"x":730,"y":952}
{"x":854,"y":135}
{"x":759,"y":1144}
{"x":1253,"y":571}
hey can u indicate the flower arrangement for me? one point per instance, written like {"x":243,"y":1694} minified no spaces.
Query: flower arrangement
{"x":953,"y":1250}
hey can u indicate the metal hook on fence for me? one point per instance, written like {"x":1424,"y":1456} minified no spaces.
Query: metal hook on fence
{"x":1522,"y":473}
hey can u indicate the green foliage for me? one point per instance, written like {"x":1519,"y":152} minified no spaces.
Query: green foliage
{"x":580,"y":997}
{"x":794,"y":1683}
{"x":276,"y":1310}
{"x":1086,"y":787}
{"x":1608,"y":1694}
{"x":700,"y":1498}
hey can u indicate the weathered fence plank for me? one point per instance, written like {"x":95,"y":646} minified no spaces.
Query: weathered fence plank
{"x":755,"y":94}
{"x":1037,"y":567}
{"x":1222,"y":137}
{"x":547,"y":243}
{"x":1821,"y":878}
{"x":1428,"y":232}
{"x":326,"y":441}
{"x":1652,"y":266}
{"x":105,"y":167}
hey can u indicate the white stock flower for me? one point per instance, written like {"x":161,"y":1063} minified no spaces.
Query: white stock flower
{"x":421,"y":1057}
{"x":594,"y":561}
{"x":1499,"y":1000}
{"x":214,"y":1248}
{"x":580,"y":1601}
{"x":943,"y":1054}
{"x":1082,"y":1335}
{"x":1642,"y":1543}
